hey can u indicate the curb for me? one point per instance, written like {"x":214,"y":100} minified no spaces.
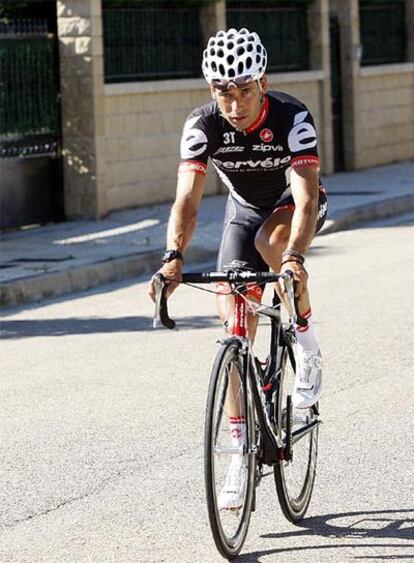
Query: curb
{"x":370,"y":212}
{"x":37,"y":288}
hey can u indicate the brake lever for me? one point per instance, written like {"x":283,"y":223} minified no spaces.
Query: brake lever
{"x":294,"y":316}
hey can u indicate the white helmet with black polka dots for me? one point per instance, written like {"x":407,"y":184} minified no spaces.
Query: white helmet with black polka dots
{"x":234,"y":56}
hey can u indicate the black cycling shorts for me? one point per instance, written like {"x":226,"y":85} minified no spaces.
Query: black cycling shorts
{"x":241,"y":224}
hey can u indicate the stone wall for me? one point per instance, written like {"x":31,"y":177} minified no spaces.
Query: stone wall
{"x":143,"y":125}
{"x":82,"y":102}
{"x":386,"y":122}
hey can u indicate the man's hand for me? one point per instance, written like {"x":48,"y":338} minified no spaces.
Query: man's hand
{"x":300,"y":276}
{"x":171,"y":271}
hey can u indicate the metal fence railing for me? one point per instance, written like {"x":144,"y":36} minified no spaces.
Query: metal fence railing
{"x":282,"y":27}
{"x":143,"y":43}
{"x":383,"y":33}
{"x":29,"y":104}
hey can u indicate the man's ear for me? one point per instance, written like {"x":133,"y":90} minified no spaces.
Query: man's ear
{"x":264,"y":84}
{"x":213,"y":92}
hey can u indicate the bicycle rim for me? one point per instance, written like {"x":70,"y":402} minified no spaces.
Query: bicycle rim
{"x":228,"y":396}
{"x":294,"y":479}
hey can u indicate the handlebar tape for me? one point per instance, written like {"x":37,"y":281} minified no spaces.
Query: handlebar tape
{"x":164,"y":317}
{"x":163,"y":309}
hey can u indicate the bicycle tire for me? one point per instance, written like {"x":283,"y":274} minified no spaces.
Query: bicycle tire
{"x":294,"y":506}
{"x":229,"y":545}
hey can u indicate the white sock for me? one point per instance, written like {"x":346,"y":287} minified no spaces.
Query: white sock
{"x":305,"y":335}
{"x":238,"y":430}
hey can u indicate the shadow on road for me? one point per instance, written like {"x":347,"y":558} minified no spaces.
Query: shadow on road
{"x":92,"y":325}
{"x":368,"y":525}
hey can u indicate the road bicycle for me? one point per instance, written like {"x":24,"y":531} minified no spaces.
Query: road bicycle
{"x":277,"y":434}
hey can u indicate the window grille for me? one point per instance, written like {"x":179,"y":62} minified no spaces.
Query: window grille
{"x":152,"y":43}
{"x":383,"y":34}
{"x":282,"y":27}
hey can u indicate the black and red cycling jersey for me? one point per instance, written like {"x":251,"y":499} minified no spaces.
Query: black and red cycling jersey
{"x":254,"y":164}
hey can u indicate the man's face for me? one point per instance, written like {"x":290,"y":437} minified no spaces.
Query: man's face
{"x":240,"y":106}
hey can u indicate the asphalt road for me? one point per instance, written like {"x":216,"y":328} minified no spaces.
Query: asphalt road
{"x":102,"y":421}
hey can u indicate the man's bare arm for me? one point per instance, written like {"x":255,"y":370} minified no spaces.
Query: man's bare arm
{"x":305,"y":192}
{"x":183,"y":218}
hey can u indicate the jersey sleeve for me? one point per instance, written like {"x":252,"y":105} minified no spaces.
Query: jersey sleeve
{"x":194,"y":146}
{"x":302,"y":141}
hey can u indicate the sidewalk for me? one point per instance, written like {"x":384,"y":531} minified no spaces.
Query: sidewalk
{"x":77,"y":255}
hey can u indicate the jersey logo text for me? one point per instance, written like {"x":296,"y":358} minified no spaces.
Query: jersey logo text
{"x":229,"y":138}
{"x":229,"y":149}
{"x":253,"y":164}
{"x":267,"y":148}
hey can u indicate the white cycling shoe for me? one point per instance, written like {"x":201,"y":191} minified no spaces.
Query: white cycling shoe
{"x":308,"y":379}
{"x":232,"y":494}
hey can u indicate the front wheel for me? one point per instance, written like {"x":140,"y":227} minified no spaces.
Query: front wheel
{"x":294,"y":478}
{"x":229,"y":445}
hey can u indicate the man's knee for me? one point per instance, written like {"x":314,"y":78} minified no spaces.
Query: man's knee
{"x":275,"y":242}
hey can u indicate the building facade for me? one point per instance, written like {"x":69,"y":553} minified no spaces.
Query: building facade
{"x":120,"y":139}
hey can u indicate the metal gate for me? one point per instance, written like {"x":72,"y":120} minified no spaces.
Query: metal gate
{"x":30,"y":132}
{"x":336,"y":89}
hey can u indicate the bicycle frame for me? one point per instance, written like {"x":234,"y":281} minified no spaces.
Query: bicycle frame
{"x":272,"y":444}
{"x":274,"y":447}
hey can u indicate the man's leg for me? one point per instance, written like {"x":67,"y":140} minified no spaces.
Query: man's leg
{"x":271,"y":241}
{"x":239,"y":230}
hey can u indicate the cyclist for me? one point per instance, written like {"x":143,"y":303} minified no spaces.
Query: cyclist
{"x":263,"y":146}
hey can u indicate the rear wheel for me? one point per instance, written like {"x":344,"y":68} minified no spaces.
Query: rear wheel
{"x":295,"y":478}
{"x":229,"y":397}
